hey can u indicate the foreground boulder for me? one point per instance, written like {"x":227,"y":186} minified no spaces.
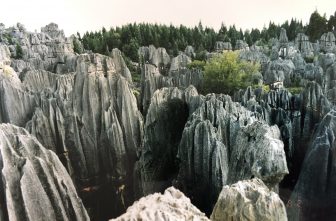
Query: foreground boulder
{"x":35,"y":185}
{"x":170,"y":206}
{"x":249,"y":200}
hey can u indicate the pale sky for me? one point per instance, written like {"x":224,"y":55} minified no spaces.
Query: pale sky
{"x":91,"y":15}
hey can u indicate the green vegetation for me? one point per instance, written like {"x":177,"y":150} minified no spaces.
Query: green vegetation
{"x":19,"y":52}
{"x":295,"y":90}
{"x":129,"y":37}
{"x":226,"y":73}
{"x":77,"y":46}
{"x":197,"y":64}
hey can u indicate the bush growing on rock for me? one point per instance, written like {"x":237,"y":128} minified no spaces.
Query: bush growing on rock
{"x":227,"y":73}
{"x":19,"y":52}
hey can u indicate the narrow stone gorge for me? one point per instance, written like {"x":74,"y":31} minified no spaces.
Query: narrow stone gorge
{"x":81,"y":140}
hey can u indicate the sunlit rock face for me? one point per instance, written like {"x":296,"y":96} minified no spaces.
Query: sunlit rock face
{"x":170,"y":206}
{"x":248,"y":200}
{"x":34,"y":185}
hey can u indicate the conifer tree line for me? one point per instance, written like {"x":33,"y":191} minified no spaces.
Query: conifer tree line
{"x":129,"y":38}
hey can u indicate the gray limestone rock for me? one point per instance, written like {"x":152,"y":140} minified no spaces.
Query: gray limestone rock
{"x":35,"y":183}
{"x":314,"y":197}
{"x":155,"y":56}
{"x":241,"y":45}
{"x":190,"y":52}
{"x":327,"y":42}
{"x":223,"y":143}
{"x":170,"y":206}
{"x":304,"y":46}
{"x":249,"y":200}
{"x":222,"y":46}
{"x":283,"y":39}
{"x":279,"y":71}
{"x":166,"y":117}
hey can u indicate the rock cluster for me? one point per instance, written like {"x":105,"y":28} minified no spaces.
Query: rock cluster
{"x":34,"y":185}
{"x":87,"y":115}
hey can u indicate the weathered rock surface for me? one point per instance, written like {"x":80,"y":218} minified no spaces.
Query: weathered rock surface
{"x":327,"y":42}
{"x":314,"y":197}
{"x":222,"y":46}
{"x":170,"y":206}
{"x":166,"y":117}
{"x":155,"y":56}
{"x":34,"y":185}
{"x":279,"y":71}
{"x":88,"y":116}
{"x":302,"y":43}
{"x":248,"y":200}
{"x":178,"y":76}
{"x":190,"y":51}
{"x":223,"y":143}
{"x":241,"y":45}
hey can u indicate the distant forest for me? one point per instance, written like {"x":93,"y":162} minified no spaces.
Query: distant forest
{"x":129,"y":38}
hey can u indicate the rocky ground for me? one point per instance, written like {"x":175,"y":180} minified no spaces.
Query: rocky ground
{"x":77,"y":142}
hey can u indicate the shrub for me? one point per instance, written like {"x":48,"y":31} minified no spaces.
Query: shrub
{"x":19,"y":52}
{"x":227,"y":73}
{"x":196,"y":64}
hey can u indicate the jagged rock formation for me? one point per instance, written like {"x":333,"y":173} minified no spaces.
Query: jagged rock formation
{"x":166,"y":117}
{"x":190,"y":52}
{"x":302,"y":43}
{"x":222,"y":46}
{"x":241,"y":45}
{"x":4,"y":55}
{"x":88,"y":116}
{"x":314,"y":197}
{"x":170,"y":206}
{"x":155,"y":56}
{"x":329,"y":83}
{"x":223,"y":143}
{"x":327,"y":42}
{"x":249,"y":200}
{"x":283,"y":39}
{"x":49,"y":50}
{"x":178,"y":76}
{"x":34,"y":185}
{"x":279,"y":71}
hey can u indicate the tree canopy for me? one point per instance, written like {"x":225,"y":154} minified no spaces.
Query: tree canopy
{"x":227,"y":73}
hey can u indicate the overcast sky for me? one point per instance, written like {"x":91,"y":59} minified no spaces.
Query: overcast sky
{"x":87,"y":15}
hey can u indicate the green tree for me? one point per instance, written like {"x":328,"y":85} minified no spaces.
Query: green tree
{"x":19,"y":52}
{"x":226,"y":73}
{"x":317,"y":26}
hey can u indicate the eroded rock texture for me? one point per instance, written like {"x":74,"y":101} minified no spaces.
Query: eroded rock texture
{"x":34,"y":185}
{"x":170,"y":206}
{"x":223,"y":143}
{"x":249,"y":200}
{"x":314,"y":197}
{"x":166,"y":117}
{"x":154,"y":78}
{"x":83,"y":110}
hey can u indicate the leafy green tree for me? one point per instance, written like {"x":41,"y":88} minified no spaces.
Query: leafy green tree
{"x":226,"y":73}
{"x":317,"y":26}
